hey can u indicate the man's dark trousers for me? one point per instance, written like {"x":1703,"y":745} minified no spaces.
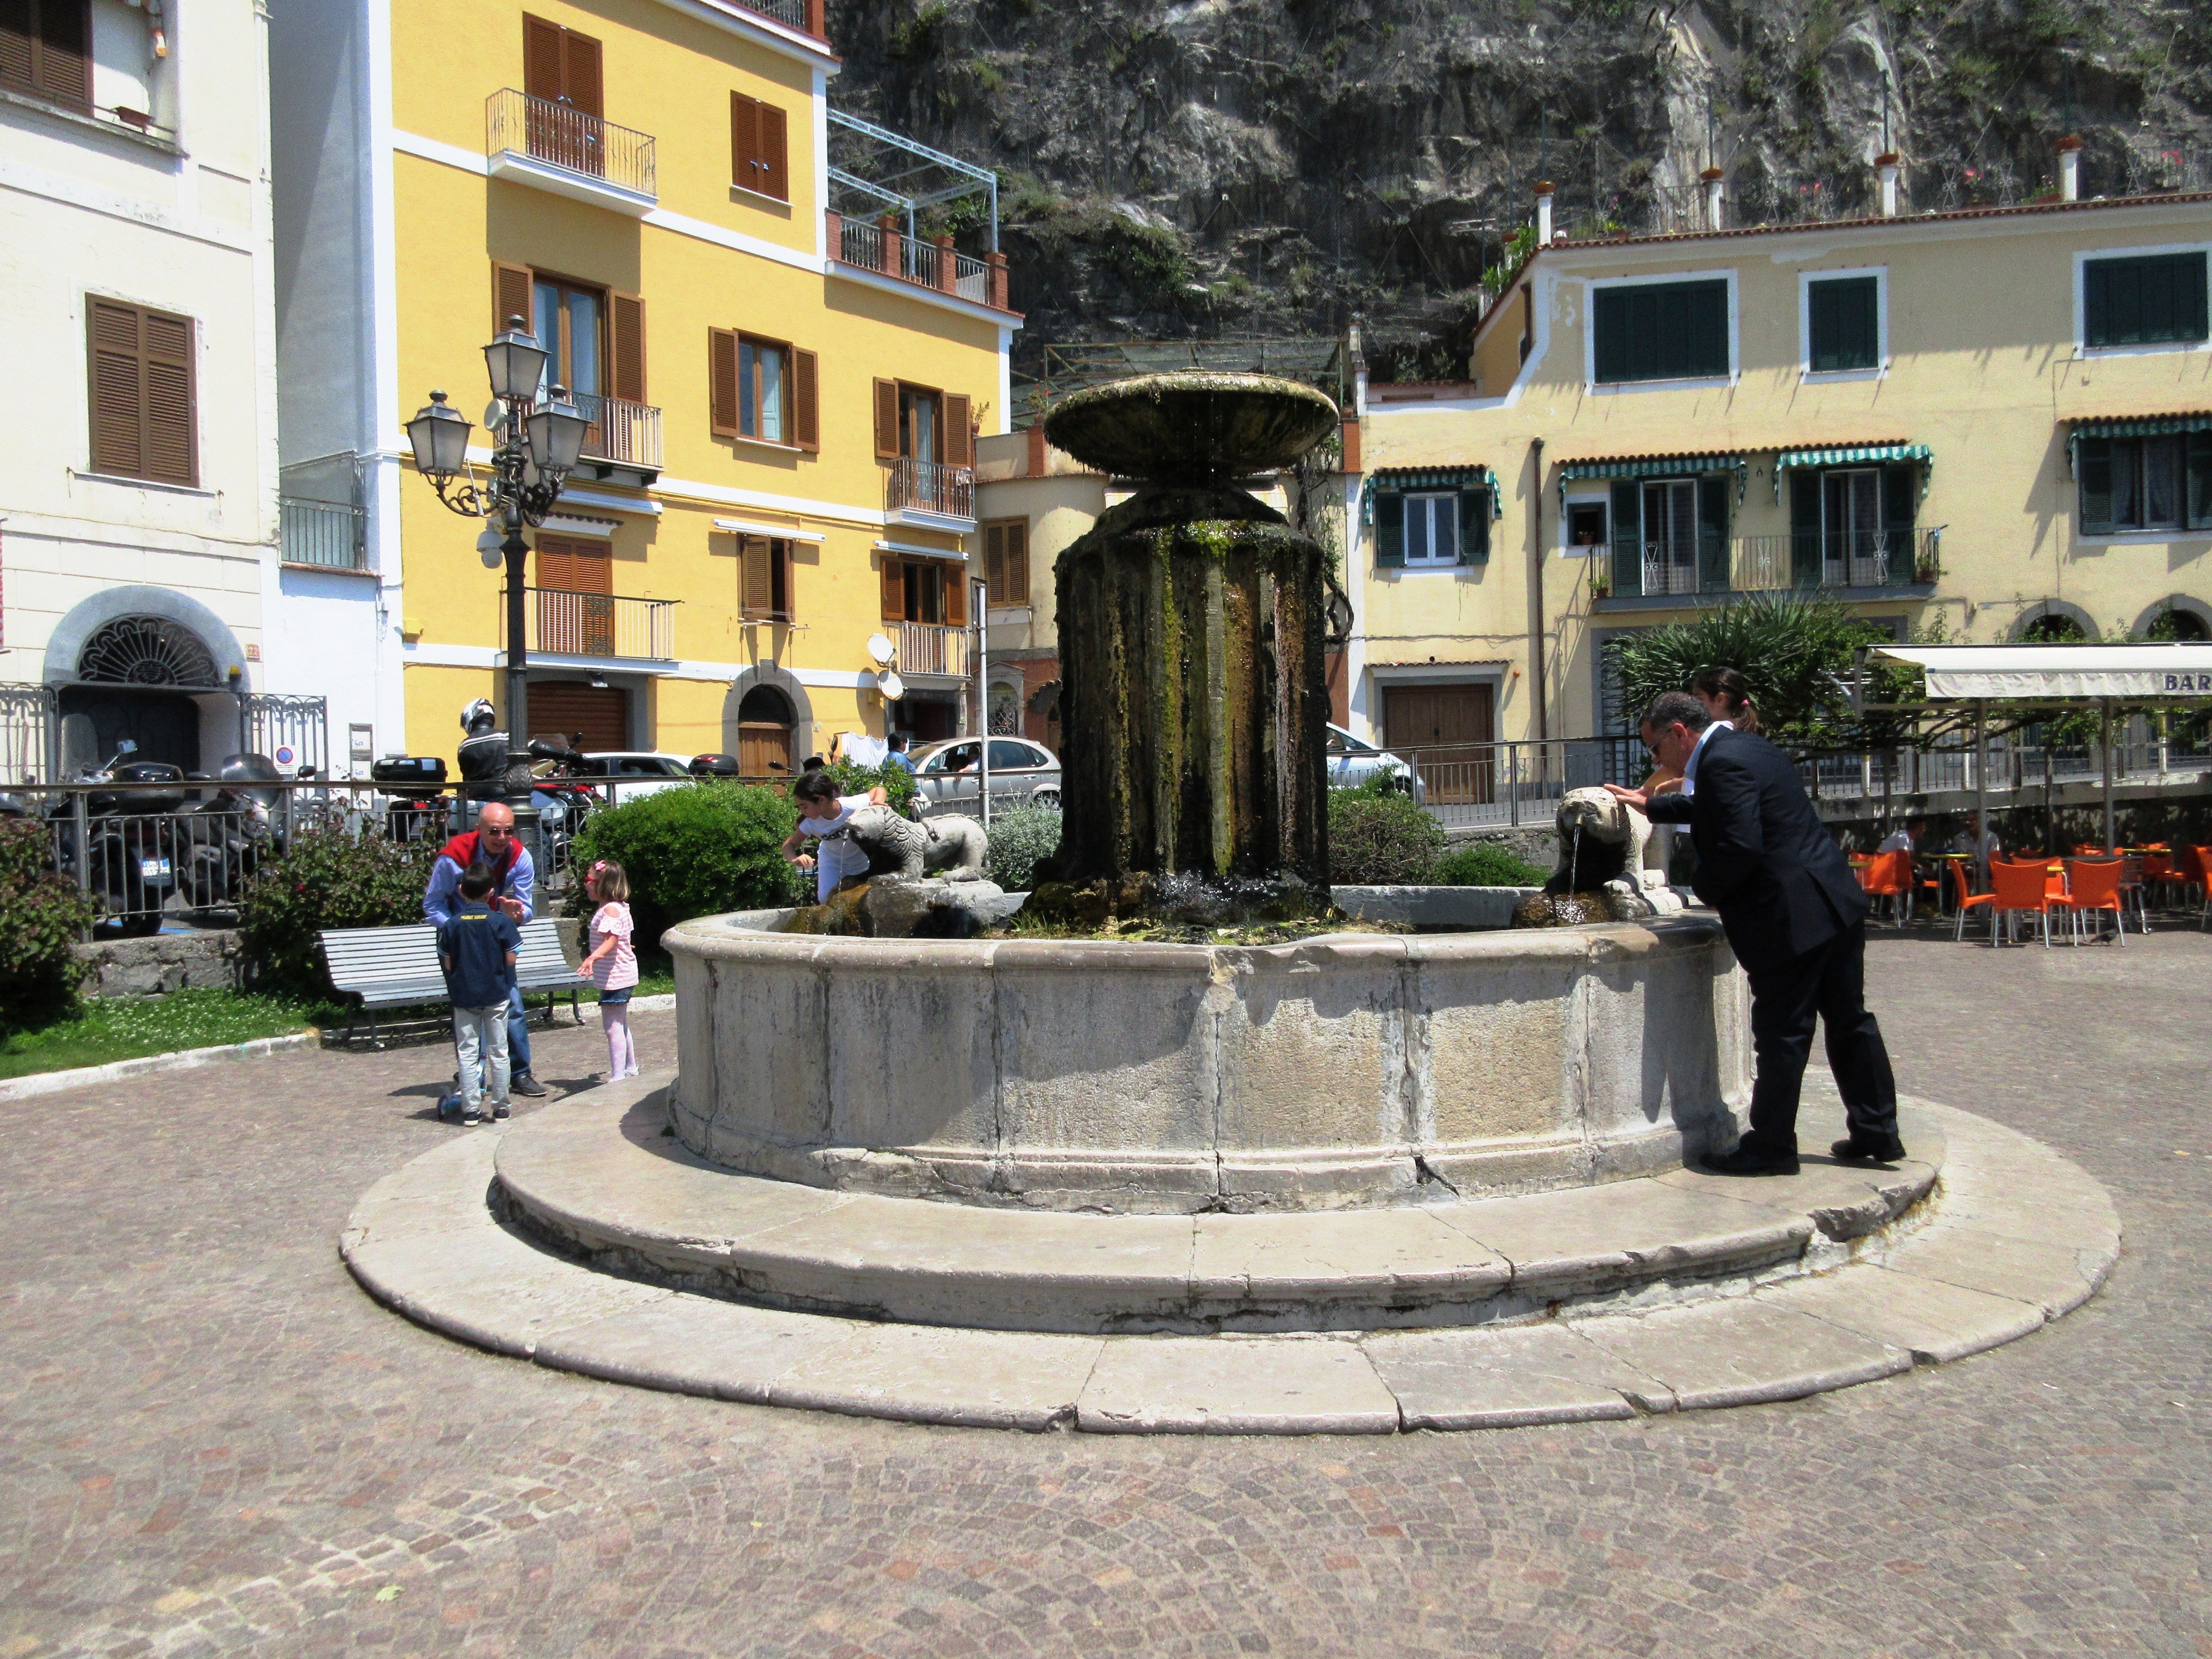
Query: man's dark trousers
{"x":1828,"y":981}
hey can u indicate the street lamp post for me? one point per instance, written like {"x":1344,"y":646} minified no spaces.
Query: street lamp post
{"x":540,"y":445}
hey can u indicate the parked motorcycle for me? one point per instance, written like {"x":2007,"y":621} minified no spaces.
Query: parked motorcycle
{"x":222,"y":840}
{"x":128,"y":859}
{"x":561,"y":791}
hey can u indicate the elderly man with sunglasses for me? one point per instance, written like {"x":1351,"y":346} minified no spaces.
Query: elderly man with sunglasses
{"x":1795,"y":917}
{"x":514,"y":881}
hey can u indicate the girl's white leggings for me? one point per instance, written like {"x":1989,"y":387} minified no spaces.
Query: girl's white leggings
{"x":622,"y":1048}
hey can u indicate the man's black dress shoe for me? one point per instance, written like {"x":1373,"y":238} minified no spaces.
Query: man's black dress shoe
{"x":1749,"y":1160}
{"x":1851,"y":1150}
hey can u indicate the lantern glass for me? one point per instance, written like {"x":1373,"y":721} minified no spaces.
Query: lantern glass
{"x":557,"y":433}
{"x":516,"y":362}
{"x":439,"y":435}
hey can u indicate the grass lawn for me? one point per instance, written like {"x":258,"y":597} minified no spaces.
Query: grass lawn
{"x":127,"y":1027}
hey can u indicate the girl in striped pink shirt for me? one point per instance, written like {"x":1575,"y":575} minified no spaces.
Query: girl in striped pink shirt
{"x":613,"y":964}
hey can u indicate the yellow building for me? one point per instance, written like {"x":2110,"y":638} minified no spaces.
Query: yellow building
{"x":2000,"y":420}
{"x":786,"y":388}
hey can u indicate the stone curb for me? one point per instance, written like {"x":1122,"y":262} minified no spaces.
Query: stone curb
{"x":181,"y":1060}
{"x":2028,"y":1237}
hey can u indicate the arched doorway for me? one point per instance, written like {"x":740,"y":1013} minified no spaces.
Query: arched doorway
{"x":765,"y":722}
{"x":136,"y":677}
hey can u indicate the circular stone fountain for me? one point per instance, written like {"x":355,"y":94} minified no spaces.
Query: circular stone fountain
{"x":1350,"y":1183}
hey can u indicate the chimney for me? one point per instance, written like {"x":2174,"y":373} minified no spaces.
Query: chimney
{"x":1543,"y":213}
{"x":1885,"y":168}
{"x":1716,"y":187}
{"x":2069,"y":168}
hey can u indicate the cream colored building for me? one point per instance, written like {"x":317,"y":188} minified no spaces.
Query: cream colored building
{"x":1998,"y":422}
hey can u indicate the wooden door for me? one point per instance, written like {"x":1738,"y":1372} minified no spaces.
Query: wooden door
{"x":574,"y":596}
{"x":599,"y":713}
{"x":560,"y":70}
{"x":1437,"y":729}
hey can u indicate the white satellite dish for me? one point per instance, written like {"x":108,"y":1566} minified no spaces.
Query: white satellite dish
{"x":881,"y":650}
{"x":891,"y":686}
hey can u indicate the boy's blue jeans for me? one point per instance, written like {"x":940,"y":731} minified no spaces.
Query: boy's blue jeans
{"x":480,"y":1038}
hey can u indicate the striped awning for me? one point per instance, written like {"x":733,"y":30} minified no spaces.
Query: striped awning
{"x":1395,"y":480}
{"x":1855,"y":455}
{"x":2132,"y":425}
{"x":1656,"y":467}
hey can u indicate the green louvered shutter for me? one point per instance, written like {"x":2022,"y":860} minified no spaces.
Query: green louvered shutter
{"x":1805,"y":528}
{"x":2095,"y":465}
{"x":1900,"y":502}
{"x":1627,"y":540}
{"x":1475,"y":526}
{"x":1713,"y":535}
{"x":2199,"y":462}
{"x":1389,"y":531}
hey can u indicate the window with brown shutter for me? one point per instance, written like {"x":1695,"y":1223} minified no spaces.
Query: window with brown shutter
{"x":760,"y":156}
{"x":954,"y":445}
{"x":806,"y":401}
{"x":956,"y":580}
{"x":1006,"y":562}
{"x":887,"y":420}
{"x":46,"y":49}
{"x":510,"y":297}
{"x":894,"y":588}
{"x":626,"y":329}
{"x":562,"y":66}
{"x":765,"y":574}
{"x":574,"y":597}
{"x":139,"y":371}
{"x":722,"y":382}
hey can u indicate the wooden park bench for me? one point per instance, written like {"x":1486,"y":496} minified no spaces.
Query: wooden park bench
{"x":397,"y":968}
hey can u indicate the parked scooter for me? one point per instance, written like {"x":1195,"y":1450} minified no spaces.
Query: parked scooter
{"x":223,"y":838}
{"x":127,"y":861}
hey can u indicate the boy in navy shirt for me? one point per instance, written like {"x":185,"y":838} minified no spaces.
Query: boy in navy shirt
{"x":475,"y":947}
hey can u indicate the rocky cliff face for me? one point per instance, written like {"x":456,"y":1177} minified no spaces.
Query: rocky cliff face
{"x":1277,"y":167}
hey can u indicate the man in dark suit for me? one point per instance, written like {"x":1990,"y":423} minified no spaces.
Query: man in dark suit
{"x":1796,"y":920}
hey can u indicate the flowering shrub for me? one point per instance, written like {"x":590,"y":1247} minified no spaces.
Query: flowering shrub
{"x":42,"y":916}
{"x":696,"y":850}
{"x":327,"y":878}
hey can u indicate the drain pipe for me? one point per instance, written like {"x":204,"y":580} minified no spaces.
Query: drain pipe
{"x":979,"y":602}
{"x":1536,"y":586}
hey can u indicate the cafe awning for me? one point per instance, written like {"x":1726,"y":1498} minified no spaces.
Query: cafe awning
{"x":1471,"y":475}
{"x":1685,"y":465}
{"x":2053,"y":672}
{"x":1855,"y":455}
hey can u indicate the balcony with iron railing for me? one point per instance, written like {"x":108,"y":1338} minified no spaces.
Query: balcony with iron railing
{"x":930,"y":648}
{"x":1862,"y":560}
{"x":884,"y":248}
{"x":557,"y":147}
{"x":931,"y":494}
{"x":563,"y":623}
{"x":805,"y":15}
{"x":624,"y":441}
{"x":325,"y":535}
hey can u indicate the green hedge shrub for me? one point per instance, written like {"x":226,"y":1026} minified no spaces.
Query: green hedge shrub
{"x":1378,"y":837}
{"x":1488,"y":864}
{"x":896,"y":781}
{"x":42,"y":915}
{"x":327,"y":878}
{"x":699,"y":849}
{"x":1020,"y":838}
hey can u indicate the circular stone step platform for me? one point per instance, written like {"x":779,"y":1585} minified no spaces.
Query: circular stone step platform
{"x":582,"y":1238}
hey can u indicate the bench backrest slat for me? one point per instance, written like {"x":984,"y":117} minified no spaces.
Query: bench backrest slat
{"x":369,"y":959}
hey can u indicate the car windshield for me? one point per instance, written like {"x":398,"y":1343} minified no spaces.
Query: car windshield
{"x":649,"y":766}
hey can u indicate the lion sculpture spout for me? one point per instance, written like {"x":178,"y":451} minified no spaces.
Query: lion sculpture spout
{"x":1612,"y":867}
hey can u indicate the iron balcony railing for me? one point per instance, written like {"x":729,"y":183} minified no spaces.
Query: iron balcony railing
{"x":928,"y":648}
{"x":883,"y":247}
{"x":931,"y":487}
{"x":325,"y":534}
{"x":805,"y":15}
{"x":625,"y":433}
{"x":1796,"y":559}
{"x":559,"y":135}
{"x":567,"y":623}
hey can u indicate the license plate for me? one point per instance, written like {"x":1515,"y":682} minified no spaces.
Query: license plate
{"x":153,"y":869}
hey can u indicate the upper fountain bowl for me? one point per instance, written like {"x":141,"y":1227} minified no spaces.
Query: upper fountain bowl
{"x":1191,"y":425}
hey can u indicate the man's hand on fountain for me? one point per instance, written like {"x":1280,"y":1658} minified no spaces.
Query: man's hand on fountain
{"x":804,"y":860}
{"x":1635,"y":797}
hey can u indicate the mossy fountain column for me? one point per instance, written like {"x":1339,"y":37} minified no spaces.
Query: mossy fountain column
{"x":1192,"y":687}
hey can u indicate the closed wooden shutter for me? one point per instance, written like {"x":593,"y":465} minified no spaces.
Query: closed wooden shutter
{"x":1713,"y":535}
{"x":2199,"y":467}
{"x":806,"y":401}
{"x":1627,"y":540}
{"x":511,"y":287}
{"x":956,"y":580}
{"x":596,"y":718}
{"x":1006,"y":562}
{"x":894,"y":588}
{"x":575,"y":565}
{"x":1389,"y":531}
{"x":140,"y":373}
{"x":722,"y":381}
{"x":1805,"y":557}
{"x":541,"y":55}
{"x":45,"y":47}
{"x":758,"y":557}
{"x":626,"y":317}
{"x":887,"y":420}
{"x":1475,"y":526}
{"x":774,"y":154}
{"x":955,"y":444}
{"x":581,"y":71}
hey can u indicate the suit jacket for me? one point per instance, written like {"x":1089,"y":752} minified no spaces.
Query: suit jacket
{"x":1764,"y":861}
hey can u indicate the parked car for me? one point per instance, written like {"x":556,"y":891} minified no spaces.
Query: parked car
{"x":1352,"y":761}
{"x":946,"y":776}
{"x":623,"y":774}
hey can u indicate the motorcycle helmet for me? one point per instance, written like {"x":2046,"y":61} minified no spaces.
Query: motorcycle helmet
{"x":478,"y":717}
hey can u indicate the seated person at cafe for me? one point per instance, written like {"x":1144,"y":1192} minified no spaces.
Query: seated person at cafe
{"x":1964,"y":841}
{"x":1906,"y":839}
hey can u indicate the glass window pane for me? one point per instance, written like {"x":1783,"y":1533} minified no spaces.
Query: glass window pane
{"x":2127,"y":502}
{"x":771,"y":393}
{"x":1010,"y":756}
{"x":546,"y":325}
{"x":2162,"y":483}
{"x":584,"y":345}
{"x":1417,"y":530}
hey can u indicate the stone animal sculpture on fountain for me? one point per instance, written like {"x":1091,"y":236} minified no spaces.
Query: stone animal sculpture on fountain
{"x":949,"y":846}
{"x":924,"y":880}
{"x":1611,"y":868}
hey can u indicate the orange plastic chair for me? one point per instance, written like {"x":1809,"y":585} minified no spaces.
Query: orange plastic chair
{"x":1889,"y":875}
{"x":2015,"y":888}
{"x":2095,"y":889}
{"x":1968,"y":899}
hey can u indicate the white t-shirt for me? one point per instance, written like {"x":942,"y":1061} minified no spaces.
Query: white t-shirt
{"x":835,"y":855}
{"x":1896,"y":841}
{"x":1964,"y":841}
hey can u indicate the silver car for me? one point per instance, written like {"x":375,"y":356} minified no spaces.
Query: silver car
{"x":946,"y":775}
{"x":1352,"y":761}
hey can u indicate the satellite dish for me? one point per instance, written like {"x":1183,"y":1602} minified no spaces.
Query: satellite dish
{"x":891,"y":686}
{"x":881,"y":650}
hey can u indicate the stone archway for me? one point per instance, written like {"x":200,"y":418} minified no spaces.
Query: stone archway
{"x":2051,"y":614}
{"x":2193,"y":617}
{"x":781,"y":681}
{"x":188,"y":622}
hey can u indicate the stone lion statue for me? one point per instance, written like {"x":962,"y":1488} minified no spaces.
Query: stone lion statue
{"x":950,"y":848}
{"x":1618,"y":866}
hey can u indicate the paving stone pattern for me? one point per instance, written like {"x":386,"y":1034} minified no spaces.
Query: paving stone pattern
{"x":212,"y":1440}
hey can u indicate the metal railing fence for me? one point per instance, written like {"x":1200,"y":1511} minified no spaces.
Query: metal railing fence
{"x":564,"y":622}
{"x":561,"y":135}
{"x":931,"y":487}
{"x":328,"y":535}
{"x":621,"y":431}
{"x":929,"y":648}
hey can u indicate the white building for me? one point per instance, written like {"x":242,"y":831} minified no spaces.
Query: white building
{"x":143,"y":581}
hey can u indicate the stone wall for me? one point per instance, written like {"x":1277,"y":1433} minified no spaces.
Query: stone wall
{"x":162,"y":963}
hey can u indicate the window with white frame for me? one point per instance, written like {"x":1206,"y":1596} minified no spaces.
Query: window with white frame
{"x":1432,"y":529}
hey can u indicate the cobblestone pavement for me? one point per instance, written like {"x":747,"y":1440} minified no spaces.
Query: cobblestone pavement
{"x":210,"y":1440}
